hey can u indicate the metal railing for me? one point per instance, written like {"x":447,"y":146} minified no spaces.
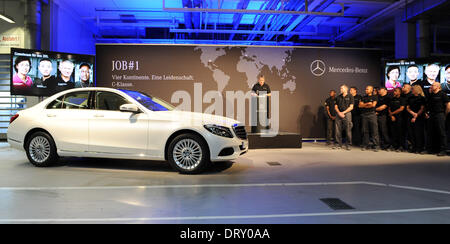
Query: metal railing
{"x":9,"y":105}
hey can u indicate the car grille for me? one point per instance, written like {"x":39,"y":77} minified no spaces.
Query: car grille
{"x":240,"y":132}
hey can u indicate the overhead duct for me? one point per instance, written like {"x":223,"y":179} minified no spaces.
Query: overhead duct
{"x":192,"y":18}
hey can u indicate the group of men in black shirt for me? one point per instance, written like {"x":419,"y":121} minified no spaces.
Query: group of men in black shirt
{"x":408,"y":119}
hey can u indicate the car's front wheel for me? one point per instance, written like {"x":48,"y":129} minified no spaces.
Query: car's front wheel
{"x":188,"y":154}
{"x":41,"y":150}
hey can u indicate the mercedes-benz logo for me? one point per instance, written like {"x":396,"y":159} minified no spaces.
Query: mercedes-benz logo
{"x":317,"y":67}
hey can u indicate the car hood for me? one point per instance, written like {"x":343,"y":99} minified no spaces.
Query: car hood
{"x":197,"y":118}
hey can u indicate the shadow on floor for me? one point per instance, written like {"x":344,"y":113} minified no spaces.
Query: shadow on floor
{"x":138,"y":165}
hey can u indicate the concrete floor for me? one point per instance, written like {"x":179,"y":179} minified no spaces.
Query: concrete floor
{"x":383,"y":187}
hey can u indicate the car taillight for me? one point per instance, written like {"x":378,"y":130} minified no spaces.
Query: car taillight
{"x":13,"y":118}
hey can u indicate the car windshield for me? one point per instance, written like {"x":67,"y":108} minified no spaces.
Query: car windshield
{"x":152,"y":103}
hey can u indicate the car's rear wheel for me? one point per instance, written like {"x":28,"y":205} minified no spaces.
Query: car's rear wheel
{"x":188,"y":154}
{"x":41,"y":150}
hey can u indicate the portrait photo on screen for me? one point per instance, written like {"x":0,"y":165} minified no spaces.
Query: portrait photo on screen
{"x":420,"y":71}
{"x":394,"y":76}
{"x":445,"y":78}
{"x":44,"y":73}
{"x":431,"y":74}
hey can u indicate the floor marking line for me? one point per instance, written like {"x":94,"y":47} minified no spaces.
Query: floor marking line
{"x":181,"y":186}
{"x":229,"y":217}
{"x":224,"y":186}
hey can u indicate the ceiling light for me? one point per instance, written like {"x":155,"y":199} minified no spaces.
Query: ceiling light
{"x":7,"y":18}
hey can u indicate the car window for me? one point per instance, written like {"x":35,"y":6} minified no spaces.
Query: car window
{"x":74,"y":100}
{"x":109,"y":101}
{"x":57,"y":103}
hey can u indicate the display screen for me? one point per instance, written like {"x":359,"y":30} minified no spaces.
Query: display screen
{"x":423,"y":72}
{"x":44,"y":73}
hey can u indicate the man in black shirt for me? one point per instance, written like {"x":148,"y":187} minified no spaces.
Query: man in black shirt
{"x":369,"y":119}
{"x":382,"y":111}
{"x":405,"y":136}
{"x":331,"y":115}
{"x":416,"y":120}
{"x":356,"y":117}
{"x":344,"y":106}
{"x":261,"y":87}
{"x":438,"y":108}
{"x":396,"y":108}
{"x":260,"y":91}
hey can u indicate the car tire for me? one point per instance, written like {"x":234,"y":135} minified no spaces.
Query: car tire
{"x":41,"y":150}
{"x":188,"y":154}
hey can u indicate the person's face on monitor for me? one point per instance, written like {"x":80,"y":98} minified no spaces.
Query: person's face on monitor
{"x":447,"y":75}
{"x":45,"y":68}
{"x":432,"y":72}
{"x":412,"y":73}
{"x":394,"y":74}
{"x":23,"y":67}
{"x":84,"y":74}
{"x":66,"y":69}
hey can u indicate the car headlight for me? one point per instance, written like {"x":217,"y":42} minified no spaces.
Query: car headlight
{"x":219,"y":130}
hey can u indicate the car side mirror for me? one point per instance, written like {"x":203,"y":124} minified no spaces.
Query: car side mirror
{"x":129,"y":108}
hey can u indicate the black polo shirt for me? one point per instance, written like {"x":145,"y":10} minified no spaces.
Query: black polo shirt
{"x":257,"y":88}
{"x":406,"y":97}
{"x":383,"y":101}
{"x":330,"y":102}
{"x":356,"y":110}
{"x":396,"y":103}
{"x":367,"y":99}
{"x":344,"y":102}
{"x":416,"y":102}
{"x":437,"y":102}
{"x":426,"y":87}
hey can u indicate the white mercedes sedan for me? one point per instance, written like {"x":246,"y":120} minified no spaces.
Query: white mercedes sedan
{"x":123,"y":124}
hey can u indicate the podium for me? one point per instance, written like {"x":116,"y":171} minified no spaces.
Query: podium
{"x":260,"y":113}
{"x":261,"y":136}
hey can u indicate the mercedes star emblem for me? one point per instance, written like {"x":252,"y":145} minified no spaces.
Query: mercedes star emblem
{"x":318,"y":67}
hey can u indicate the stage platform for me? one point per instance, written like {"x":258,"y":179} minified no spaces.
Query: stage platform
{"x":281,"y":140}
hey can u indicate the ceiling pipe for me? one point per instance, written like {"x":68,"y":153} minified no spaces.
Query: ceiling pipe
{"x":263,"y":18}
{"x":280,"y":20}
{"x":243,"y":4}
{"x":254,"y":32}
{"x":284,"y":20}
{"x":321,"y":7}
{"x":249,"y":11}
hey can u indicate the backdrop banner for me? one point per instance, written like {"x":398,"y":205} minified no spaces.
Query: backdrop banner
{"x":218,"y":79}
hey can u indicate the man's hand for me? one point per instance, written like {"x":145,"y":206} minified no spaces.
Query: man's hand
{"x":393,"y":118}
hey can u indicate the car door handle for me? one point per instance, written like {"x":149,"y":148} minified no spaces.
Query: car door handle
{"x":51,"y":115}
{"x":99,"y":116}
